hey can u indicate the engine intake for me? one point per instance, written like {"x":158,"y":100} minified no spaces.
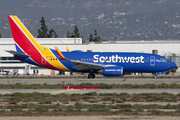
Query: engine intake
{"x":113,"y":71}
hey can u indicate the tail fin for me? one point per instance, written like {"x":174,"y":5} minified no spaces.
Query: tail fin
{"x":22,"y":36}
{"x":25,"y":43}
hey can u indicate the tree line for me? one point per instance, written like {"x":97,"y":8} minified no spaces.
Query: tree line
{"x":76,"y":34}
{"x":43,"y":32}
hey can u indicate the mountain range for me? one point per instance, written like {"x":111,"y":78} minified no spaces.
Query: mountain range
{"x":113,"y":19}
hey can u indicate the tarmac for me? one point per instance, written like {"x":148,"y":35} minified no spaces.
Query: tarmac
{"x":93,"y":81}
{"x":72,"y":91}
{"x":66,"y":81}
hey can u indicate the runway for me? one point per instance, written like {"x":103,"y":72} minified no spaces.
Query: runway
{"x":93,"y":81}
{"x":71,"y":91}
{"x":66,"y":81}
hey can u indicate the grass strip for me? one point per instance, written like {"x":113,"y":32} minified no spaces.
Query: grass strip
{"x":115,"y":86}
{"x":93,"y":100}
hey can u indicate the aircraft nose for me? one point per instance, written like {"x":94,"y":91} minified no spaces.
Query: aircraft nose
{"x":172,"y":65}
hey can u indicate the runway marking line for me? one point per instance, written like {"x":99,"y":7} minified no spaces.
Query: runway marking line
{"x":64,"y":91}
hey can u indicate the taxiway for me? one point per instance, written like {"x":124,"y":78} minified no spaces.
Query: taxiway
{"x":66,"y":81}
{"x":71,"y":91}
{"x":93,"y":81}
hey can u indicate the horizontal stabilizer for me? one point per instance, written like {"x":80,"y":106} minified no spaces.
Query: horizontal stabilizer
{"x":17,"y":54}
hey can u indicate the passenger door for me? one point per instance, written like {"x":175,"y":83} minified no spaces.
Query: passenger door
{"x":152,"y":61}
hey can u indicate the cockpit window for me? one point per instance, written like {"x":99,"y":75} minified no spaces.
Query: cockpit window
{"x":163,"y":59}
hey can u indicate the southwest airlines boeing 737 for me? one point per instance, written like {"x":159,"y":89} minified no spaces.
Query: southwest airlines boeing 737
{"x":107,"y":63}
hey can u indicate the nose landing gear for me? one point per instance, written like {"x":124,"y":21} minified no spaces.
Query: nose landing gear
{"x":155,"y":76}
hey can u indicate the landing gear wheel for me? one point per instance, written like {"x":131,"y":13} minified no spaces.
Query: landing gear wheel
{"x":155,"y":76}
{"x":166,"y":73}
{"x":91,"y":76}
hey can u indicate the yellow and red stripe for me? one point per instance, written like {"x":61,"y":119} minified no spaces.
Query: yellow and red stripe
{"x":68,"y":50}
{"x":60,"y":54}
{"x":29,"y":45}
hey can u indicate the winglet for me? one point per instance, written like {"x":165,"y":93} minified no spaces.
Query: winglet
{"x":60,"y":54}
{"x":68,"y":50}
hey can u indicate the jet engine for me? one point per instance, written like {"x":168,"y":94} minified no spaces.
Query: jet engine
{"x":113,"y":71}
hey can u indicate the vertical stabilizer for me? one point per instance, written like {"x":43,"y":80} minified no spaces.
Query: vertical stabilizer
{"x":22,"y":36}
{"x":26,"y":43}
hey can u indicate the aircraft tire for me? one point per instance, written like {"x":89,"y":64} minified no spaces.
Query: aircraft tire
{"x":91,"y":76}
{"x":166,"y":73}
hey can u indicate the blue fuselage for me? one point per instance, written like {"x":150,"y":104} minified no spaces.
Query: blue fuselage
{"x":131,"y":62}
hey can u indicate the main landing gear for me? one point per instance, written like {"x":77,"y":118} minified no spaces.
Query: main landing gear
{"x":91,"y":76}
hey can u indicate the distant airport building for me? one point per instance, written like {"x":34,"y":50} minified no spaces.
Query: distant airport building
{"x":169,"y":49}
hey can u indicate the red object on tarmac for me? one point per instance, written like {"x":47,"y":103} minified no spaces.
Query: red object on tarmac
{"x":81,"y":87}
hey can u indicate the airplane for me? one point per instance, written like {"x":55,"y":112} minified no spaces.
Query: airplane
{"x":107,"y":63}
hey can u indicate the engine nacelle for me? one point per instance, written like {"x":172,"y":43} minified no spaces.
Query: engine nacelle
{"x":113,"y":71}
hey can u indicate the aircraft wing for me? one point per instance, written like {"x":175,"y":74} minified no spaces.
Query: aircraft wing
{"x":81,"y":65}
